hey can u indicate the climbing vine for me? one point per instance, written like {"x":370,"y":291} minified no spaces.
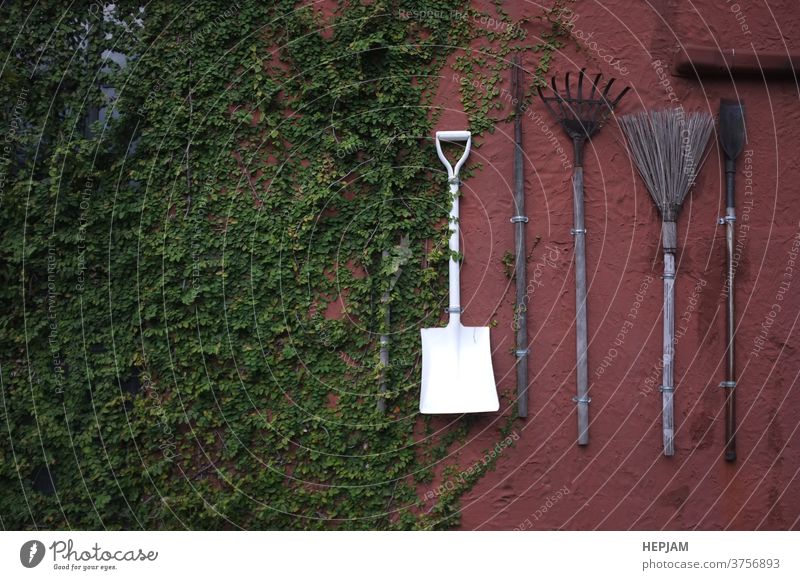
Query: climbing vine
{"x":204,"y":211}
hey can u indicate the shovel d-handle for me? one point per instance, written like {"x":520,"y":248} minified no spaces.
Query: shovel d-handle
{"x":453,"y":137}
{"x":454,"y":307}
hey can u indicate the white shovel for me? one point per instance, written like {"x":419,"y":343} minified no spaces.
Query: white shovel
{"x":457,"y":375}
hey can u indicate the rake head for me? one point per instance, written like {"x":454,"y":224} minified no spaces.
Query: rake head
{"x":582,"y":116}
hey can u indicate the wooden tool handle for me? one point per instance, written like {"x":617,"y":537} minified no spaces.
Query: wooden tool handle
{"x":667,"y":384}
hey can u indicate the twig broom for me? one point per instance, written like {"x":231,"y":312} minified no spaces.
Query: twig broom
{"x":667,"y":148}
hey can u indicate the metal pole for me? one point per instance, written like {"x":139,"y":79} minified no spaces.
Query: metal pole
{"x":519,"y":220}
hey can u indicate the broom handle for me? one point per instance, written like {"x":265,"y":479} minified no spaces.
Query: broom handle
{"x":582,"y":345}
{"x":667,"y":384}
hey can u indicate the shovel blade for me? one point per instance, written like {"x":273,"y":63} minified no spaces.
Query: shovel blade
{"x":457,"y":374}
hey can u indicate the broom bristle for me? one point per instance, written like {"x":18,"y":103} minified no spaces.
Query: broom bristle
{"x":667,"y":148}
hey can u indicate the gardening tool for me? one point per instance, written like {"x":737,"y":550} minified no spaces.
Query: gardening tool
{"x":667,"y":148}
{"x":457,"y":375}
{"x":732,"y":137}
{"x":581,"y":117}
{"x":519,"y":219}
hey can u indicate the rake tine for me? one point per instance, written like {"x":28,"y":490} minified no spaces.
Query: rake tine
{"x":595,"y":84}
{"x":563,"y":107}
{"x":566,"y":84}
{"x":555,"y":88}
{"x":607,"y":89}
{"x":619,"y":98}
{"x":546,"y":101}
{"x":551,"y":110}
{"x":579,"y":105}
{"x":558,"y":99}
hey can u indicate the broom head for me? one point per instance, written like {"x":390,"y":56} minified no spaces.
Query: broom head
{"x":668,"y":150}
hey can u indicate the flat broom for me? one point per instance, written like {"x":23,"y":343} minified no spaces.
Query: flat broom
{"x":667,"y":148}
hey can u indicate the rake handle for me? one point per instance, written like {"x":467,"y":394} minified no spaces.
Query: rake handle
{"x":581,"y":339}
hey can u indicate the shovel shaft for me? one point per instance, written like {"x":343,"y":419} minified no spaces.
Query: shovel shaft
{"x":581,"y":340}
{"x":454,"y":266}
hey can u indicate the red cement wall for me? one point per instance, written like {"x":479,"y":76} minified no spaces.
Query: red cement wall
{"x":622,"y":480}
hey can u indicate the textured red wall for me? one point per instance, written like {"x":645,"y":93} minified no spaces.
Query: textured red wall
{"x":622,"y":480}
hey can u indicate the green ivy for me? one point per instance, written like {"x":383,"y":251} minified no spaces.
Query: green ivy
{"x":192,"y":284}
